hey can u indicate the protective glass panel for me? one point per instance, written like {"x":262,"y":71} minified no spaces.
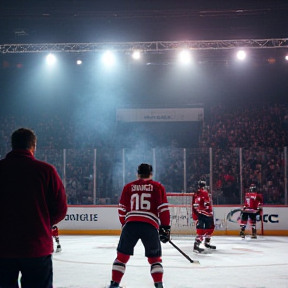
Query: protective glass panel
{"x":170,"y":168}
{"x":198,"y":168}
{"x":53,"y":157}
{"x":79,"y":176}
{"x":226,"y":176}
{"x":265,"y":167}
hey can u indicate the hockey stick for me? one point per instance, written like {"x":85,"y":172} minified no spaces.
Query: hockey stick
{"x":185,"y":255}
{"x":262,"y":223}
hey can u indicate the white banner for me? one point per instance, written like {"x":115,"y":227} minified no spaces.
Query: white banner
{"x":160,"y":115}
{"x":91,"y":218}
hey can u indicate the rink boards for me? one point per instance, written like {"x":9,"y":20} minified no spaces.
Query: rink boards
{"x":103,"y":220}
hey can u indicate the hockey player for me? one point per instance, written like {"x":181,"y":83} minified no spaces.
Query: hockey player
{"x":202,"y":213}
{"x":252,"y":208}
{"x":143,"y":209}
{"x":55,"y":235}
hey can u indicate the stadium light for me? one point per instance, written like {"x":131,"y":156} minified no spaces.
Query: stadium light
{"x":79,"y":62}
{"x":241,"y":55}
{"x":286,"y":57}
{"x":50,"y":59}
{"x":108,"y":58}
{"x":136,"y":55}
{"x":185,"y":57}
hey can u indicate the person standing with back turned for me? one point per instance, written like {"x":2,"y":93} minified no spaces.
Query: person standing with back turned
{"x":32,"y":200}
{"x":143,"y":209}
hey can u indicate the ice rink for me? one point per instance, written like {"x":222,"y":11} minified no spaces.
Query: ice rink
{"x":86,"y":262}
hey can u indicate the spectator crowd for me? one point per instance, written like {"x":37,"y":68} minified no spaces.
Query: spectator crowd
{"x":248,"y":145}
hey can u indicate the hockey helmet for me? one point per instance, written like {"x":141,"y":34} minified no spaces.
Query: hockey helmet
{"x":201,"y":183}
{"x":252,"y":188}
{"x":145,"y":169}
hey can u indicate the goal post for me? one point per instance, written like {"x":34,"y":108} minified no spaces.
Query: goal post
{"x":181,"y":213}
{"x":226,"y":218}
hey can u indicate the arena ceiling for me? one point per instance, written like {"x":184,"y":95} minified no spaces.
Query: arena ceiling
{"x":46,"y":23}
{"x":86,"y":21}
{"x":162,"y":24}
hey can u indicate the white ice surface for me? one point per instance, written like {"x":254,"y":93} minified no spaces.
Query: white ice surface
{"x":86,"y":262}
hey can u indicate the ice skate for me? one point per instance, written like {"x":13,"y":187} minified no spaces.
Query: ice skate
{"x":242,"y":233}
{"x":196,"y":248}
{"x":58,"y":249}
{"x":114,"y":284}
{"x":159,"y":285}
{"x":208,"y":245}
{"x":254,"y":235}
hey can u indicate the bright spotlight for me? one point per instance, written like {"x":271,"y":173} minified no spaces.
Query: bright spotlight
{"x":79,"y":62}
{"x":136,"y":55}
{"x":286,"y":57}
{"x":185,"y":57}
{"x":241,"y":55}
{"x":108,"y":58}
{"x":50,"y":59}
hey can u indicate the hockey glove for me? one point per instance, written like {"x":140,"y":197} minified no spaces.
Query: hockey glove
{"x":164,"y":233}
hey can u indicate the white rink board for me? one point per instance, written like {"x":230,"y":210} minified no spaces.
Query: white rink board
{"x":97,"y":218}
{"x":91,"y":218}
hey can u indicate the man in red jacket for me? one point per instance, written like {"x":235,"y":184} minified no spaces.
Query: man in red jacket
{"x":32,"y":200}
{"x":143,"y":213}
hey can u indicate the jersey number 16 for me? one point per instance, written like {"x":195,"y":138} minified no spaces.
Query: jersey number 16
{"x":140,"y":201}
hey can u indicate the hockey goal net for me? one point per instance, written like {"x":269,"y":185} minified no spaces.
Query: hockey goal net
{"x":181,"y":213}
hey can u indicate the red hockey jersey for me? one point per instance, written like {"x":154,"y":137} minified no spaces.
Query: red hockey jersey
{"x":201,"y":204}
{"x":54,"y":231}
{"x":253,"y":200}
{"x":144,"y":200}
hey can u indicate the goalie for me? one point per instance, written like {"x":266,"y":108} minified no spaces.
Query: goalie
{"x":202,"y":213}
{"x":252,"y":207}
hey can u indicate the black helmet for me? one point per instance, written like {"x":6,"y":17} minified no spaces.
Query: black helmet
{"x":201,"y":183}
{"x":252,"y":188}
{"x":145,"y":169}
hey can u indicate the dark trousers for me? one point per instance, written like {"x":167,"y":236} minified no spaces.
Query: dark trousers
{"x":205,"y":222}
{"x":35,"y":272}
{"x":132,"y":232}
{"x":245,"y":215}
